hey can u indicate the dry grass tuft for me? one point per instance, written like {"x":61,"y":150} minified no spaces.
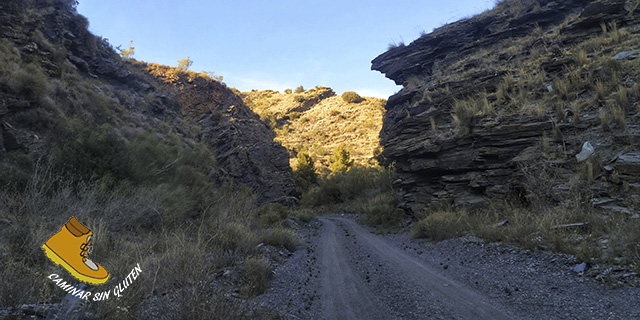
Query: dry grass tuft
{"x":256,"y":274}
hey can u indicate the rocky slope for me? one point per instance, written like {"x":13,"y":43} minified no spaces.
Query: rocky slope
{"x":53,"y":70}
{"x":499,"y":104}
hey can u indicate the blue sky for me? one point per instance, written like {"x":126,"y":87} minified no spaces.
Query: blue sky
{"x":275,"y":44}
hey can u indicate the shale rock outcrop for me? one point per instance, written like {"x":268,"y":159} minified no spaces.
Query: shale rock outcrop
{"x":53,"y":69}
{"x":498,"y":105}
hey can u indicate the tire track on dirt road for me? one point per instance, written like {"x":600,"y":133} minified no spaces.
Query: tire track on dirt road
{"x":347,"y":295}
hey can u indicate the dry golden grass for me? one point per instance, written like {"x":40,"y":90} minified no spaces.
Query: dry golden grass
{"x":321,"y":122}
{"x":537,"y":228}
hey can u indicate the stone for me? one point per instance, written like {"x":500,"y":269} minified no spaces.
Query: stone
{"x":580,"y":268}
{"x":586,"y":152}
{"x":597,"y":202}
{"x":628,"y":163}
{"x":630,"y":54}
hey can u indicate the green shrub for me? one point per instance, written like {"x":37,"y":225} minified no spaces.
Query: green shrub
{"x":304,"y":215}
{"x":90,"y":152}
{"x":306,"y":168}
{"x":341,"y":160}
{"x":441,"y":224}
{"x":15,"y":171}
{"x":273,"y":213}
{"x":382,"y":211}
{"x":351,"y":189}
{"x":299,"y":89}
{"x":351,"y":97}
{"x":281,"y":237}
{"x":29,"y":82}
{"x":256,"y":275}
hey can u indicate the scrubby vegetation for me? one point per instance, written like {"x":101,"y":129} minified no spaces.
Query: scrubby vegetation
{"x":125,"y":157}
{"x":592,"y":82}
{"x":364,"y":190}
{"x":579,"y":230}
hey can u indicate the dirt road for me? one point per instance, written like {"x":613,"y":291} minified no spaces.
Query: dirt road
{"x":345,"y":271}
{"x":347,"y":296}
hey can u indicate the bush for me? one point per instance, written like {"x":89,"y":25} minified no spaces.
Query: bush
{"x":299,"y":89}
{"x":280,"y":237}
{"x":304,"y":215}
{"x":441,"y":225}
{"x":351,"y":97}
{"x":357,"y":186}
{"x":30,"y":82}
{"x":15,"y":171}
{"x":341,"y":160}
{"x":256,"y":275}
{"x":90,"y":152}
{"x":185,"y":64}
{"x":306,"y":169}
{"x":273,"y":213}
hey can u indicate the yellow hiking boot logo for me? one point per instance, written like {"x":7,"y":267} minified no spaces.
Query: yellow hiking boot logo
{"x":70,"y":248}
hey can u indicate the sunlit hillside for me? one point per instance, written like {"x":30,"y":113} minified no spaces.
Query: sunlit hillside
{"x":317,"y":121}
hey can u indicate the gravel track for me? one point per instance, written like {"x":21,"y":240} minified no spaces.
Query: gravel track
{"x":344,"y":271}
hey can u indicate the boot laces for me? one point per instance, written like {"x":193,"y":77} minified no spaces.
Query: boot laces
{"x":86,"y":248}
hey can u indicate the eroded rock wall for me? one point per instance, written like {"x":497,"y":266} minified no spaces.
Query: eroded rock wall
{"x":506,"y":147}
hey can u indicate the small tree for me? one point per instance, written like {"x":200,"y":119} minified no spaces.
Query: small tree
{"x":351,"y":97}
{"x":299,"y":89}
{"x":306,"y":169}
{"x":213,"y":76}
{"x":341,"y":160}
{"x":287,"y":91}
{"x":127,"y":54}
{"x":185,"y":64}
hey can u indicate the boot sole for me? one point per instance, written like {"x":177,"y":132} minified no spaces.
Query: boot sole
{"x":59,"y":261}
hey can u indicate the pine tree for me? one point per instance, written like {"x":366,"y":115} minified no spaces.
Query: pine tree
{"x":341,"y":160}
{"x":306,"y":168}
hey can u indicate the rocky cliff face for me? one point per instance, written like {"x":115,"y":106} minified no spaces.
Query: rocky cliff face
{"x":499,"y":104}
{"x":242,"y":143}
{"x":52,"y":70}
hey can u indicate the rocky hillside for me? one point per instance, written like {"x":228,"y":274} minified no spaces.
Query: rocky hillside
{"x":57,"y":80}
{"x":502,"y":103}
{"x":317,"y":121}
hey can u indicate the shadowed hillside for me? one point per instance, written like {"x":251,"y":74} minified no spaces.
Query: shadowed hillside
{"x":167,"y":167}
